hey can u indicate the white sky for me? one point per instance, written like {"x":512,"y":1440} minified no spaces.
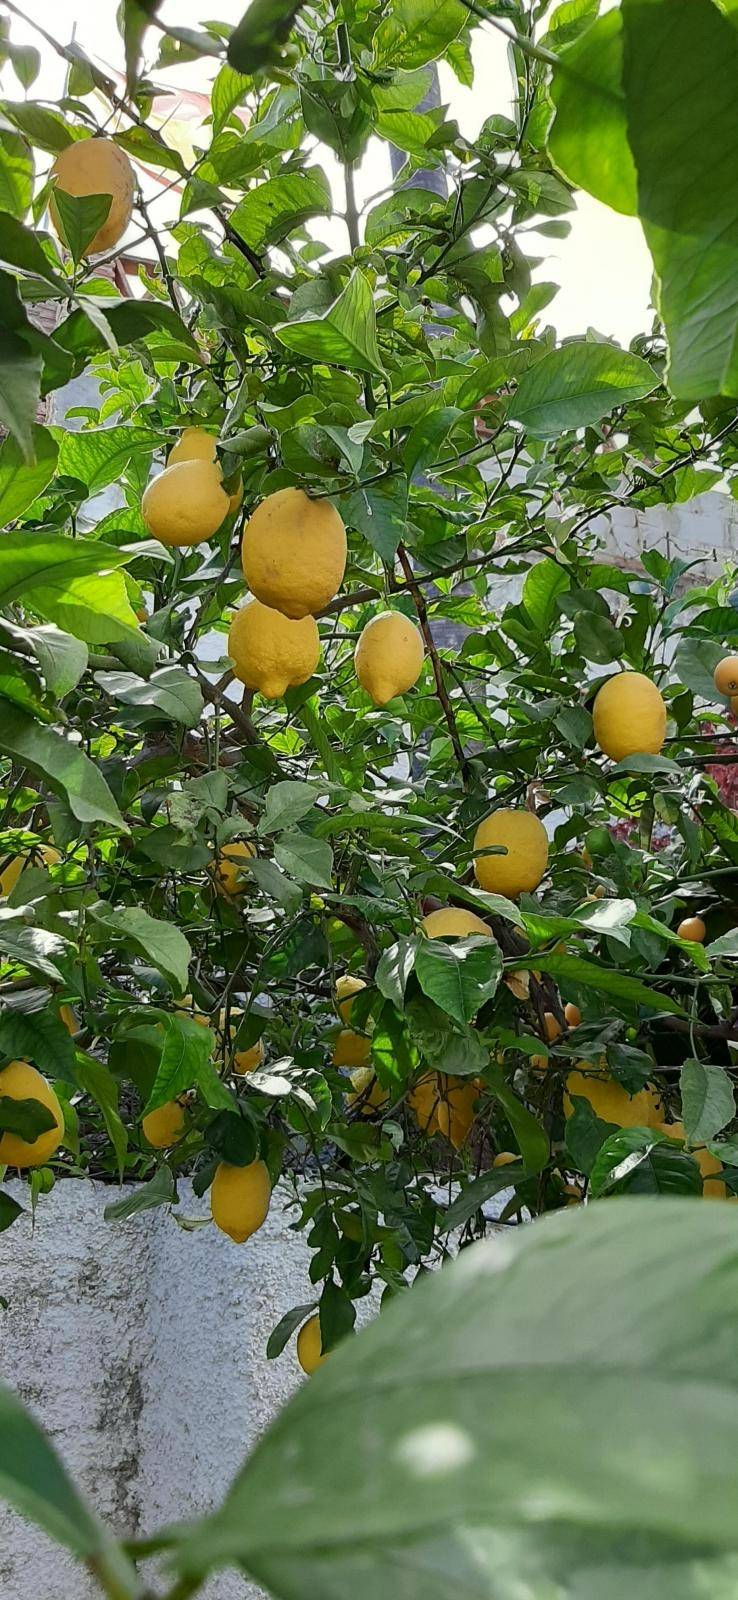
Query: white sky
{"x":603,"y":265}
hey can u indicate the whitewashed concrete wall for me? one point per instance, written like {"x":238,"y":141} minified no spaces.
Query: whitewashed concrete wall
{"x":141,"y":1350}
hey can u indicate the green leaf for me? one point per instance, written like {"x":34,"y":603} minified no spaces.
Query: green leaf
{"x":708,"y":1102}
{"x":643,"y":1161}
{"x":263,"y":27}
{"x":445,"y":1474}
{"x":588,"y":139}
{"x":286,"y":804}
{"x":280,"y":1336}
{"x":532,"y":1138}
{"x":344,"y":335}
{"x":131,"y":322}
{"x":337,"y":1315}
{"x":16,"y":174}
{"x":159,"y":1191}
{"x":234,"y":1136}
{"x":40,"y":1037}
{"x":80,"y":218}
{"x":459,"y":977}
{"x":136,"y":18}
{"x":20,"y":483}
{"x":276,"y":207}
{"x":61,"y":658}
{"x":32,"y":948}
{"x":20,"y":390}
{"x":474,"y":1194}
{"x":605,"y":980}
{"x":160,"y":943}
{"x":379,"y":513}
{"x":694,"y":663}
{"x":94,"y":607}
{"x":415,"y":31}
{"x":49,"y":561}
{"x":394,"y":968}
{"x":726,"y":945}
{"x":19,"y":247}
{"x":577,"y":385}
{"x":94,"y":1078}
{"x":62,"y":765}
{"x":274,"y":883}
{"x":689,"y":211}
{"x":34,"y":1482}
{"x":307,"y":859}
{"x":26,"y":1118}
{"x":170,"y":692}
{"x":188,"y":1048}
{"x":10,"y":1211}
{"x":544,"y":581}
{"x":99,"y":456}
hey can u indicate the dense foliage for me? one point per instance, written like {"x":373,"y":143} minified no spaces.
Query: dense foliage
{"x":410,"y":378}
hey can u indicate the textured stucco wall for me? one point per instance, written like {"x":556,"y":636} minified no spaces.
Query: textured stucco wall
{"x":141,"y":1349}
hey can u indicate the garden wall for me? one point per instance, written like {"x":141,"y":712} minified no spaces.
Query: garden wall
{"x":141,"y":1349}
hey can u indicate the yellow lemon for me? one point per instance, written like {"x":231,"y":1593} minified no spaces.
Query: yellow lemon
{"x":552,"y":1029}
{"x":294,"y":552}
{"x":456,"y":1108}
{"x":346,"y":987}
{"x":451,"y":922}
{"x":526,"y":843}
{"x":505,"y":1158}
{"x":235,"y":497}
{"x":97,"y":166}
{"x":389,"y":656}
{"x":707,"y":1163}
{"x":726,"y":675}
{"x":21,"y":1081}
{"x":351,"y":1049}
{"x":185,"y":504}
{"x":186,"y":1007}
{"x":164,"y":1126}
{"x":245,"y":1061}
{"x":572,"y":1014}
{"x":239,"y":1199}
{"x":67,"y":1016}
{"x":692,"y":928}
{"x":193,"y":444}
{"x":609,"y":1100}
{"x":423,"y":1100}
{"x":309,"y":1346}
{"x":629,"y":716}
{"x":229,"y":877}
{"x":367,"y":1089}
{"x":44,"y":855}
{"x":271,"y":652}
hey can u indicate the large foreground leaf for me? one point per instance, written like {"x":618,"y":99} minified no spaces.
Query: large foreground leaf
{"x":679,"y":71}
{"x":346,"y":334}
{"x":589,"y":137}
{"x":533,"y":1420}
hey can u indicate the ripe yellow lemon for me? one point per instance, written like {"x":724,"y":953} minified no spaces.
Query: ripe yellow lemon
{"x":245,"y":1061}
{"x":505,"y":1158}
{"x":271,"y":652}
{"x":185,"y":504}
{"x":452,"y":922}
{"x":629,"y":716}
{"x":526,"y":842}
{"x":423,"y":1100}
{"x":309,"y":1346}
{"x":692,"y":928}
{"x":351,"y":1049}
{"x":609,"y":1100}
{"x":97,"y":166}
{"x":165,"y":1126}
{"x":552,"y":1029}
{"x":456,"y":1108}
{"x":366,"y":1089}
{"x":388,"y":656}
{"x":294,"y":552}
{"x":346,"y":987}
{"x":572,"y":1015}
{"x":43,"y":856}
{"x":235,"y":497}
{"x":239,"y":1199}
{"x":230,"y":879}
{"x":193,"y":444}
{"x":20,"y":1081}
{"x":707,"y":1163}
{"x":726,"y":675}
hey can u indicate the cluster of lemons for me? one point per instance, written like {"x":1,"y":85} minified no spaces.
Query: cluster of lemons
{"x":293,"y":555}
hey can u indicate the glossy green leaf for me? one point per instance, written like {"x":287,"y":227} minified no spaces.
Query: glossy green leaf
{"x":588,"y":138}
{"x":21,"y":483}
{"x":160,"y":943}
{"x":274,"y":208}
{"x":488,"y":1467}
{"x":345,"y":335}
{"x":605,"y":980}
{"x":416,"y":31}
{"x":186,"y":1051}
{"x":170,"y":694}
{"x":708,"y":1102}
{"x":459,"y":977}
{"x":577,"y":385}
{"x":16,"y":174}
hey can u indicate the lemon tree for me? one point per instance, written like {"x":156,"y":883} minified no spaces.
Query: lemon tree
{"x":368,"y":831}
